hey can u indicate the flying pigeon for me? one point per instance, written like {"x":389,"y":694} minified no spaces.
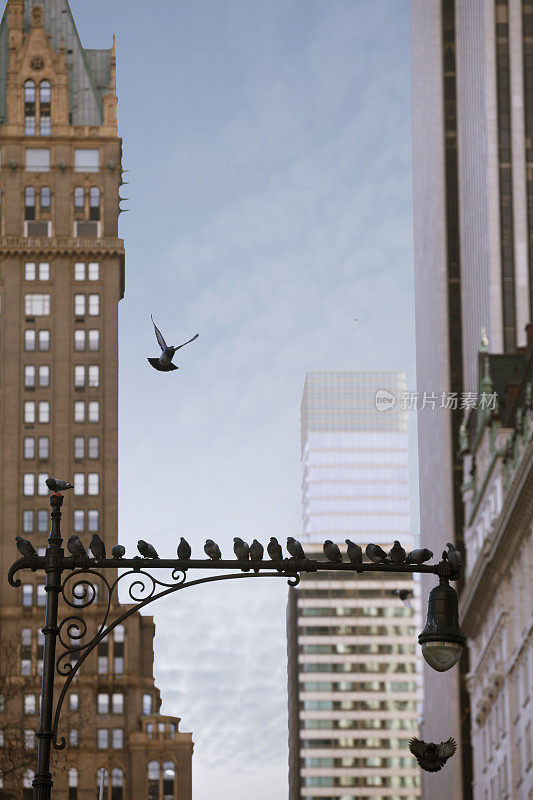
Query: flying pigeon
{"x":274,"y":549}
{"x":212,"y":550}
{"x":75,"y":547}
{"x":164,"y":362}
{"x":404,"y":595}
{"x":184,"y":550}
{"x":432,"y":757}
{"x":397,"y":554}
{"x":355,"y":553}
{"x":146,"y":549}
{"x":454,"y":556}
{"x":256,"y":552}
{"x":376,"y":554}
{"x":118,"y":551}
{"x":25,"y":547}
{"x":97,"y":547}
{"x":419,"y":556}
{"x":241,"y":550}
{"x":331,"y":551}
{"x":295,"y":548}
{"x":57,"y":485}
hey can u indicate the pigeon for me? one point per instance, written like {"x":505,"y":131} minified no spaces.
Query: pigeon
{"x":97,"y":547}
{"x":454,"y":556}
{"x":295,"y":548}
{"x":146,"y":549}
{"x":404,"y":595}
{"x":118,"y":551}
{"x":274,"y":549}
{"x":355,"y":553}
{"x":397,"y":554}
{"x":256,"y":552}
{"x":184,"y":550}
{"x":332,"y":552}
{"x":432,"y":757}
{"x":25,"y":547}
{"x":56,"y":485}
{"x":164,"y":362}
{"x":212,"y":550}
{"x":75,"y":547}
{"x":376,"y":554}
{"x":419,"y":556}
{"x":241,"y":550}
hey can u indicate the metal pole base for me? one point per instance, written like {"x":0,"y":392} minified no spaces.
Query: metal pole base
{"x":42,"y":786}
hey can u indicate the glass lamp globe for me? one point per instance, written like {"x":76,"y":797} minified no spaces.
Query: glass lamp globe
{"x":441,"y":640}
{"x":441,"y":656}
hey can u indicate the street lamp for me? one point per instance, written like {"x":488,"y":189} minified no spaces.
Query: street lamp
{"x":442,"y":641}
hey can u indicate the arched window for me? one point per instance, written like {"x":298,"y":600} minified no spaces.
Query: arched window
{"x":29,"y":202}
{"x":27,"y":790}
{"x":153,"y":780}
{"x":117,"y":783}
{"x":29,"y":108}
{"x":73,"y":784}
{"x":79,"y":197}
{"x":44,"y":108}
{"x":94,"y":203}
{"x":169,"y":779}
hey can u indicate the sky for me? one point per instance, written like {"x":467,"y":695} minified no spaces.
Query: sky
{"x":269,"y":155}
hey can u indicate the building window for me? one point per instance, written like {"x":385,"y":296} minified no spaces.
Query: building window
{"x":44,"y":411}
{"x":25,"y":651}
{"x":102,"y":703}
{"x":86,"y":160}
{"x":27,"y":596}
{"x":42,"y":488}
{"x":29,"y":108}
{"x":117,"y":738}
{"x":27,"y":521}
{"x":28,"y":484}
{"x":79,"y":411}
{"x":93,"y":483}
{"x":37,"y":305}
{"x":27,"y":789}
{"x":29,"y":203}
{"x":94,"y":305}
{"x":73,"y":738}
{"x":103,"y":658}
{"x":118,"y":702}
{"x":29,"y":376}
{"x":40,"y":652}
{"x":74,"y":701}
{"x":79,"y":203}
{"x":29,"y":340}
{"x":117,"y":783}
{"x":41,"y":595}
{"x":94,"y":339}
{"x":93,"y":520}
{"x":29,"y":738}
{"x":94,"y":411}
{"x":94,"y":376}
{"x":44,"y":340}
{"x":93,"y":447}
{"x":153,"y":780}
{"x":29,"y":411}
{"x":94,"y":271}
{"x":30,"y":706}
{"x":147,"y":703}
{"x":118,"y":650}
{"x":42,"y":521}
{"x":79,"y":376}
{"x":79,"y":339}
{"x":44,"y":267}
{"x":46,"y":202}
{"x":43,"y":450}
{"x":38,"y":159}
{"x":79,"y":305}
{"x":169,"y":775}
{"x":79,"y":447}
{"x":44,"y":375}
{"x":30,"y":272}
{"x":79,"y":483}
{"x":79,"y":520}
{"x":73,"y":784}
{"x":94,"y":208}
{"x":79,"y":271}
{"x":44,"y":108}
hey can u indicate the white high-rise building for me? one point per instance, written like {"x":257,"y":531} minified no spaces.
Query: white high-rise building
{"x":353,"y":653}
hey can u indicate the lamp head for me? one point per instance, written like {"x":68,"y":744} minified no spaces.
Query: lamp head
{"x":442,"y":641}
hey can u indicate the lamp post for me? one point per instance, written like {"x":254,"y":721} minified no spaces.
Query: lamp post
{"x":441,"y":639}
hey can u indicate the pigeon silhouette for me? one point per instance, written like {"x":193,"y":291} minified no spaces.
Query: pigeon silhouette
{"x":431,"y":756}
{"x":397,"y":554}
{"x":212,"y":550}
{"x":454,"y":556}
{"x":355,"y":553}
{"x":146,"y":549}
{"x":118,"y":551}
{"x":76,"y":548}
{"x":97,"y":547}
{"x":256,"y":553}
{"x":332,"y":552}
{"x":57,"y":485}
{"x":25,"y":547}
{"x":164,"y":362}
{"x":241,"y":550}
{"x":184,"y":550}
{"x":404,"y":595}
{"x":295,"y":548}
{"x":376,"y":554}
{"x":274,"y":549}
{"x":419,"y":556}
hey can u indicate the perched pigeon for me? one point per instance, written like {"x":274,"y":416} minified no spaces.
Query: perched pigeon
{"x":97,"y":547}
{"x":376,"y":554}
{"x":164,"y":362}
{"x":295,"y":548}
{"x":57,"y":485}
{"x":146,"y":549}
{"x":432,"y":757}
{"x":118,"y":551}
{"x":332,"y":552}
{"x":25,"y":547}
{"x":355,"y":553}
{"x":454,"y":556}
{"x":256,"y":552}
{"x":397,"y":554}
{"x":75,"y":546}
{"x":212,"y":550}
{"x":274,"y":549}
{"x":419,"y":556}
{"x":184,"y":550}
{"x":404,"y":595}
{"x":241,"y":550}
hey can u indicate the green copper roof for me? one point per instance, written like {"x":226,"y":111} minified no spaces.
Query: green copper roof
{"x":89,"y":70}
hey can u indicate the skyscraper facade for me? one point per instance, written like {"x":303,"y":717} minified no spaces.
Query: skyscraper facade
{"x":352,"y":650}
{"x":472,"y":87}
{"x":61,"y":278}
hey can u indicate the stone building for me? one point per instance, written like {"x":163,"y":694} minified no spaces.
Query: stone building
{"x":61,"y":278}
{"x":497,"y":602}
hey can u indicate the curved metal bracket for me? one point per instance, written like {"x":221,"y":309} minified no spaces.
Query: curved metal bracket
{"x":79,"y":592}
{"x":31,"y":562}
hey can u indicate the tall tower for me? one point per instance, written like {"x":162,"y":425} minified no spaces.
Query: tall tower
{"x":352,"y":649}
{"x":61,"y":278}
{"x":472,"y":80}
